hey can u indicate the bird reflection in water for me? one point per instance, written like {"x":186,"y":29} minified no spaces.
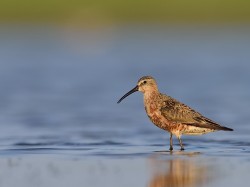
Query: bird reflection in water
{"x":180,"y":172}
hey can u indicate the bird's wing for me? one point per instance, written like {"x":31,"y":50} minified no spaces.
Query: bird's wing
{"x":178,"y":112}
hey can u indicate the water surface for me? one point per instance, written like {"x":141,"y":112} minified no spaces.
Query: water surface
{"x":61,"y":126}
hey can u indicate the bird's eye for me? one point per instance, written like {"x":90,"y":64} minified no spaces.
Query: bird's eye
{"x":144,"y":82}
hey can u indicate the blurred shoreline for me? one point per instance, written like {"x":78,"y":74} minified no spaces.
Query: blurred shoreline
{"x":86,"y":13}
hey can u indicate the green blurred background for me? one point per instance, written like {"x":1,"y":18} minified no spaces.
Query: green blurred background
{"x":87,"y":12}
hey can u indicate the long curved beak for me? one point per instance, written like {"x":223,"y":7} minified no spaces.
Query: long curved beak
{"x":135,"y":89}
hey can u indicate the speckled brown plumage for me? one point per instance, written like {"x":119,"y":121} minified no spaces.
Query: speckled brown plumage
{"x":171,"y":115}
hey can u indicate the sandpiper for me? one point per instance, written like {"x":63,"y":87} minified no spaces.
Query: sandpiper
{"x":171,"y":115}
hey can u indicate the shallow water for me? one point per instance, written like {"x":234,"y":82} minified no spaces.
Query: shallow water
{"x":60,"y":123}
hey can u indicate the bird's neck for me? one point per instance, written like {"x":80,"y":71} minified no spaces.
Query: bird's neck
{"x":150,"y":96}
{"x":151,"y":102}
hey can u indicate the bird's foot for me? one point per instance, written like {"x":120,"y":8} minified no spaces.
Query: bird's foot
{"x":171,"y":148}
{"x":182,"y":149}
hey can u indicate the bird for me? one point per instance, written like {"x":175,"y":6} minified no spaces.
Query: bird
{"x":171,"y":115}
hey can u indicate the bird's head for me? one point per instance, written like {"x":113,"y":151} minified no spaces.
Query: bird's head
{"x":144,"y":84}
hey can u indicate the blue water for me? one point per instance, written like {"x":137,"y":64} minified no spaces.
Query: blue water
{"x":59,"y":88}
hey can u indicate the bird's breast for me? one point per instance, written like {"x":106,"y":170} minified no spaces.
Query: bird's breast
{"x":156,"y":117}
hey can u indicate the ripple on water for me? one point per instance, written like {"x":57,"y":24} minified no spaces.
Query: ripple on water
{"x":229,"y":148}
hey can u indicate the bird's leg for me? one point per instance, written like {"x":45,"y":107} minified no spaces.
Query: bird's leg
{"x":171,"y":142}
{"x":182,"y":147}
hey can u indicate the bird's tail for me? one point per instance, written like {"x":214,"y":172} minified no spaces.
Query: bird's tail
{"x":225,"y":128}
{"x":211,"y":124}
